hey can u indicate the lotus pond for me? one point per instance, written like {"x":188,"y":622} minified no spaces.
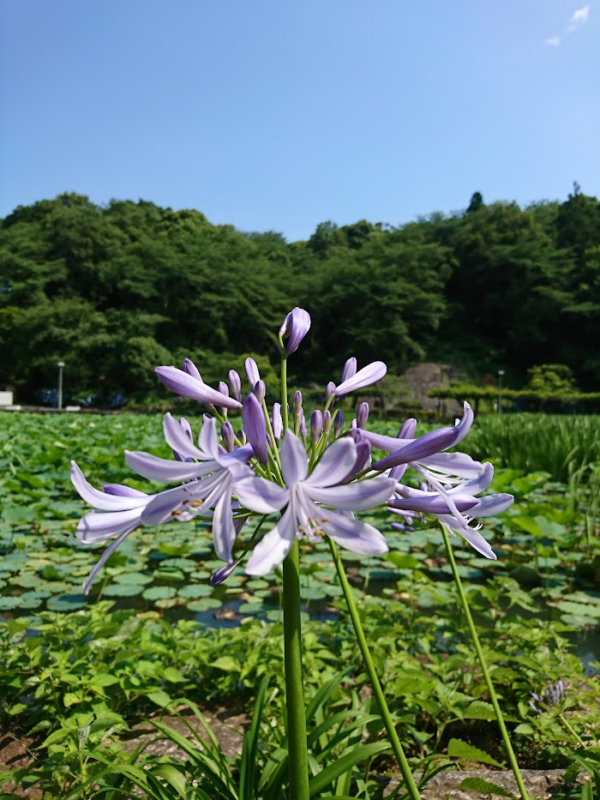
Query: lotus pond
{"x":537,"y":606}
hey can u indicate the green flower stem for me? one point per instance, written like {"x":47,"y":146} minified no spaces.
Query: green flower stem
{"x":284,"y":400}
{"x":294,"y":693}
{"x":375,"y":684}
{"x":571,"y":730}
{"x":486,"y":675}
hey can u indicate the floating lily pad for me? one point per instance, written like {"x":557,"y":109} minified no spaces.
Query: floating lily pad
{"x":195,"y":590}
{"x":133,"y":578}
{"x":205,"y":604}
{"x":185,"y":564}
{"x":169,"y":574}
{"x":122,"y":590}
{"x":159,"y":593}
{"x":66,"y":602}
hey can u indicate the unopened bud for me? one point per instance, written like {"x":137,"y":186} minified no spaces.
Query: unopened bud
{"x":228,"y":436}
{"x":326,"y":422}
{"x":302,"y":425}
{"x":260,"y":390}
{"x":297,"y":401}
{"x":330,"y":389}
{"x":235,"y":385}
{"x":338,"y":423}
{"x":241,"y":436}
{"x":316,"y":425}
{"x":362,"y":415}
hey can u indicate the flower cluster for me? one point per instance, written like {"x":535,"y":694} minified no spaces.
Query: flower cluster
{"x":554,"y":696}
{"x":313,"y":474}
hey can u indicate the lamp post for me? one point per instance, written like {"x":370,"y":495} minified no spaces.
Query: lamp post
{"x":60,"y":365}
{"x":500,"y":374}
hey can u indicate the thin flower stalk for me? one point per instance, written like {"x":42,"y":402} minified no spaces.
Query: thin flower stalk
{"x":484,"y":668}
{"x":401,"y":760}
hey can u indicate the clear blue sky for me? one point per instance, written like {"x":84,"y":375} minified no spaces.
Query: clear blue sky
{"x":280,"y":114}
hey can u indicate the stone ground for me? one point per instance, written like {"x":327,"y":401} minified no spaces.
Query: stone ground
{"x":229,"y":725}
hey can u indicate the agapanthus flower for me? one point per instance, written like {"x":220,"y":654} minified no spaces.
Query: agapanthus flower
{"x":188,"y":383}
{"x":294,"y":328}
{"x":315,"y":505}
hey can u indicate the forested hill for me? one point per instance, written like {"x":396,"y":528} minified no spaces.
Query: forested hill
{"x":114,"y":291}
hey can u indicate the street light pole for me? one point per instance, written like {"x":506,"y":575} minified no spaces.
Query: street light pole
{"x":500,"y":374}
{"x":60,"y":365}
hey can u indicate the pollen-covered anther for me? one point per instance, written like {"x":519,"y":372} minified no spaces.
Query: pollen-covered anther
{"x":197,"y":503}
{"x":176,"y":513}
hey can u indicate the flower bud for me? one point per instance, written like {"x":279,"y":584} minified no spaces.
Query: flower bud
{"x":260,"y":390}
{"x":297,"y":401}
{"x":255,"y":426}
{"x":294,"y":328}
{"x":316,"y":425}
{"x":338,"y":423}
{"x":330,"y":389}
{"x":362,"y":415}
{"x":302,"y":426}
{"x":191,"y":369}
{"x":241,"y":436}
{"x":252,"y":372}
{"x":235,"y":385}
{"x":326,"y":422}
{"x":349,"y":370}
{"x":277,"y":421}
{"x":228,"y":436}
{"x":223,"y":573}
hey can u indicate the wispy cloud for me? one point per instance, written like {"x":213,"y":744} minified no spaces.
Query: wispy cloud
{"x":553,"y":41}
{"x":578,"y":18}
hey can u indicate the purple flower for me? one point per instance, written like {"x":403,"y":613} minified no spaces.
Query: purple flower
{"x":188,"y":383}
{"x":553,"y":696}
{"x":300,"y":499}
{"x":252,"y":372}
{"x":294,"y":328}
{"x":255,"y":427}
{"x":364,"y":377}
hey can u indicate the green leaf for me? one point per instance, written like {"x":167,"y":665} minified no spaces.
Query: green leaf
{"x":159,"y":697}
{"x":480,"y":710}
{"x":481,"y":785}
{"x":159,"y":593}
{"x":173,"y":675}
{"x":460,"y":749}
{"x":227,"y":664}
{"x":345,"y":763}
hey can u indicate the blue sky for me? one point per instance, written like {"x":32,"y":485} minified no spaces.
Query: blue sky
{"x":273,"y":115}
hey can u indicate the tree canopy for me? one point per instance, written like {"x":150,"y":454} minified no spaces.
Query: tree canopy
{"x":113,"y":291}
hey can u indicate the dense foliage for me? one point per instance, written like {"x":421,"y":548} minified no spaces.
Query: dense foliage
{"x":115,"y":290}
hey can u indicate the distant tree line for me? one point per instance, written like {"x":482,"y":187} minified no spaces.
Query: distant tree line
{"x":114,"y":291}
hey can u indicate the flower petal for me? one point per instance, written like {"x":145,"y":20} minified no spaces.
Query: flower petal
{"x":178,"y":440}
{"x":358,"y":496}
{"x":274,"y":546}
{"x":474,"y":538}
{"x":294,"y":327}
{"x":420,"y":448}
{"x":223,"y":529}
{"x":255,"y":427}
{"x":104,"y":558}
{"x":364,"y":377}
{"x":354,"y":535}
{"x":103,"y":500}
{"x":294,"y":462}
{"x":207,"y":438}
{"x":492,"y":504}
{"x":160,"y":509}
{"x":334,"y":465}
{"x":435,"y":503}
{"x":261,"y":496}
{"x":161,"y":469}
{"x":187,"y":385}
{"x":96,"y":527}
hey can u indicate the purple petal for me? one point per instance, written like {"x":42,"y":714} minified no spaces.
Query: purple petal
{"x":207,"y":438}
{"x":354,"y":535}
{"x":334,"y":465}
{"x":349,"y":370}
{"x":223,"y":529}
{"x":418,"y":449}
{"x":316,"y":425}
{"x":492,"y":504}
{"x":159,"y":469}
{"x":191,"y":369}
{"x":177,"y":438}
{"x":475,"y":539}
{"x":274,"y":546}
{"x":408,"y":429}
{"x":277,"y":421}
{"x":255,"y":427}
{"x":235,"y":384}
{"x":359,"y":496}
{"x":186,"y":385}
{"x":160,"y":509}
{"x":364,"y":377}
{"x":459,"y":464}
{"x":434,"y":503}
{"x":103,"y":500}
{"x":362,"y":415}
{"x":228,"y":436}
{"x":294,"y":327}
{"x":252,"y":372}
{"x":221,"y":575}
{"x":96,"y":527}
{"x":104,"y":558}
{"x":122,"y":491}
{"x":261,"y":496}
{"x":363,"y":459}
{"x":294,"y":463}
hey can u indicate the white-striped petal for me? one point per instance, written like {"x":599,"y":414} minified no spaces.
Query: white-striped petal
{"x":161,"y":469}
{"x":102,"y":500}
{"x":359,"y":496}
{"x":335,"y":464}
{"x":294,"y":462}
{"x":354,"y":535}
{"x":274,"y":546}
{"x":260,"y":495}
